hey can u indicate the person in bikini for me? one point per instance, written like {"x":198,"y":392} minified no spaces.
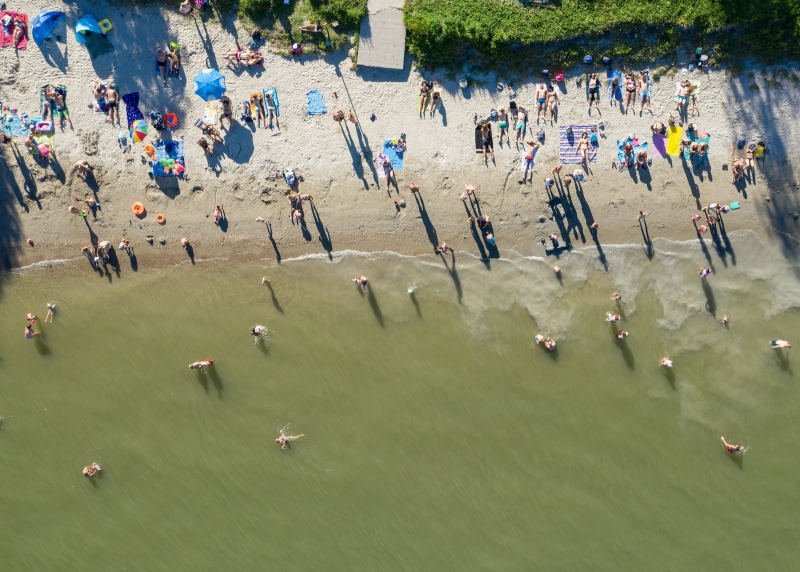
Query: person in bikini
{"x":112,"y":98}
{"x":552,"y":103}
{"x":749,"y":158}
{"x":644,"y":92}
{"x":593,"y":86}
{"x":423,"y":97}
{"x":641,"y":159}
{"x":583,"y":148}
{"x":227,"y":112}
{"x":272,"y":111}
{"x":161,"y":62}
{"x":630,"y":92}
{"x":541,"y":101}
{"x":19,"y":32}
{"x":258,"y":100}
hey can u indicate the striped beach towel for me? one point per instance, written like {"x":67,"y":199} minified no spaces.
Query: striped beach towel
{"x":568,"y":142}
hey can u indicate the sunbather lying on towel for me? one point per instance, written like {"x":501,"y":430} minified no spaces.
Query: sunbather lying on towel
{"x":161,"y":62}
{"x":244,"y":57}
{"x":19,"y":32}
{"x":311,"y":28}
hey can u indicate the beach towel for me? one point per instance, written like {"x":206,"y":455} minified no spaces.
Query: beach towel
{"x":168,"y":154}
{"x":674,"y":136}
{"x":275,"y":100}
{"x":696,"y":137}
{"x":379,"y":165}
{"x":599,"y":85}
{"x":132,"y":111}
{"x":479,"y":137}
{"x":50,"y":86}
{"x":211,"y":113}
{"x":44,"y":139}
{"x":255,"y":99}
{"x":316,"y":105}
{"x":617,"y":94}
{"x":395,"y":154}
{"x":12,"y":126}
{"x":637,"y":146}
{"x":660,"y":144}
{"x":568,"y":144}
{"x":7,"y":34}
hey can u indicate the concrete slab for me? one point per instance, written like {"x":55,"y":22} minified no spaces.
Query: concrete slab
{"x":382,"y":41}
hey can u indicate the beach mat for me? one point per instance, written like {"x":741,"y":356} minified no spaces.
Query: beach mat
{"x":211,"y":113}
{"x":479,"y":137}
{"x":50,"y":87}
{"x":316,"y":105}
{"x":7,"y":36}
{"x":568,"y":144}
{"x":395,"y":156}
{"x":674,"y":136}
{"x":12,"y":126}
{"x":132,"y":112}
{"x":660,"y":144}
{"x":275,"y":100}
{"x":379,"y":165}
{"x":254,"y":105}
{"x":637,"y":146}
{"x":166,"y":150}
{"x":695,"y":137}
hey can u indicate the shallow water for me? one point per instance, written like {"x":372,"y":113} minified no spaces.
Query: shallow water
{"x":438,"y":436}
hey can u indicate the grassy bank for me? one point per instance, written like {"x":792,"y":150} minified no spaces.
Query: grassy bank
{"x":507,"y":34}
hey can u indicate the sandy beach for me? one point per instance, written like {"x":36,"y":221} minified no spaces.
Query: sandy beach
{"x":337,"y":164}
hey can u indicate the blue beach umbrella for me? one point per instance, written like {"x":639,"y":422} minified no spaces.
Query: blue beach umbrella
{"x":43,"y":25}
{"x":209,"y":84}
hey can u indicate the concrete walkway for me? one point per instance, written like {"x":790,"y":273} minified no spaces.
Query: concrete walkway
{"x":382,"y":43}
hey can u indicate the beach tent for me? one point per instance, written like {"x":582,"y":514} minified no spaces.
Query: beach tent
{"x":88,"y":32}
{"x":209,"y":84}
{"x":44,"y":24}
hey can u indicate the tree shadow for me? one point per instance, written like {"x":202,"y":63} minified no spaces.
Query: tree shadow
{"x":373,"y":303}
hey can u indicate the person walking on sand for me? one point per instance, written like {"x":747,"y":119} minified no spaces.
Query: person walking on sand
{"x":486,"y":141}
{"x":443,"y":249}
{"x":552,"y":103}
{"x":112,"y":99}
{"x":731,"y":448}
{"x":218,"y":214}
{"x":528,"y":164}
{"x":361,"y":281}
{"x":227,"y":113}
{"x":82,"y":168}
{"x":665,"y":362}
{"x":594,"y":226}
{"x":522,"y":124}
{"x":285,"y":440}
{"x":272,"y":111}
{"x":51,"y":309}
{"x":338,"y":116}
{"x":780,"y":344}
{"x":91,"y":470}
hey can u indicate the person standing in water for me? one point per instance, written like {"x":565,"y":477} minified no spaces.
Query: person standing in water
{"x":285,"y":440}
{"x":731,"y":448}
{"x":665,"y":362}
{"x":621,"y":335}
{"x":29,"y":333}
{"x":616,"y":296}
{"x":362,"y":281}
{"x":51,"y":308}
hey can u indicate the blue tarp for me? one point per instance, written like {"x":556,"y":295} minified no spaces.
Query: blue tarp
{"x":43,"y":25}
{"x":168,"y":151}
{"x":316,"y":105}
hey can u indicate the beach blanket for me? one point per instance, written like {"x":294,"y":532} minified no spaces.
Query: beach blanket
{"x":637,"y":146}
{"x":256,"y":99}
{"x":50,"y":86}
{"x":617,"y":93}
{"x":211,"y":113}
{"x":660,"y":144}
{"x":394,"y":153}
{"x":275,"y":100}
{"x":568,"y":143}
{"x":168,"y":154}
{"x":479,"y":137}
{"x":674,"y":136}
{"x":12,"y":126}
{"x":379,"y":165}
{"x":316,"y":105}
{"x":132,"y":111}
{"x":44,"y":139}
{"x":7,"y":34}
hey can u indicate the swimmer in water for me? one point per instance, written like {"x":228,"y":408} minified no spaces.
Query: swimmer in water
{"x":29,"y":333}
{"x":780,"y":344}
{"x":91,"y":470}
{"x":621,"y":335}
{"x":548,"y":343}
{"x":258,"y":331}
{"x":665,"y":362}
{"x":51,"y":308}
{"x":362,"y":281}
{"x":32,"y":318}
{"x":264,"y":281}
{"x":612,"y":317}
{"x":731,"y":448}
{"x":704,"y":272}
{"x":616,"y":296}
{"x":724,"y":320}
{"x":201,"y":364}
{"x":285,"y":439}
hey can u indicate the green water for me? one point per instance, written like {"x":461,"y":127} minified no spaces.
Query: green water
{"x":438,"y":436}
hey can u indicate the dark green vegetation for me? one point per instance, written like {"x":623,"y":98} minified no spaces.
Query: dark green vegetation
{"x":505,"y":34}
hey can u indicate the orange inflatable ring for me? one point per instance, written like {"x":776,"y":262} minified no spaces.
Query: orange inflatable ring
{"x":138,"y":209}
{"x":150,"y":150}
{"x":161,"y":219}
{"x":171,"y":120}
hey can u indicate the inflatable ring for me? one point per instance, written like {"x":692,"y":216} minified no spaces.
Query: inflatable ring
{"x":44,"y":126}
{"x":138,"y":209}
{"x":171,"y":120}
{"x":161,"y":219}
{"x":149,"y":149}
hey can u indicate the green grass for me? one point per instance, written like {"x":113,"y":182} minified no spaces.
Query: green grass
{"x":508,"y":35}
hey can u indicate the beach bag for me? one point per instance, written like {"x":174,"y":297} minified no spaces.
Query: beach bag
{"x":493,"y":115}
{"x":593,"y":139}
{"x":587,"y":59}
{"x":740,"y":144}
{"x":157,"y":121}
{"x":559,"y":77}
{"x":289,"y":177}
{"x":540,"y":135}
